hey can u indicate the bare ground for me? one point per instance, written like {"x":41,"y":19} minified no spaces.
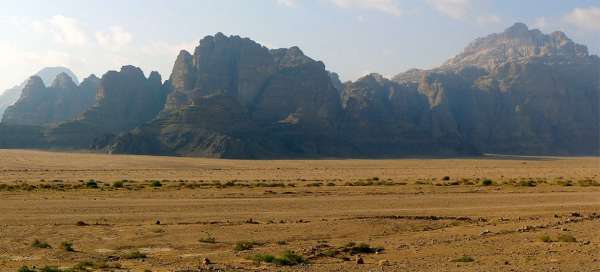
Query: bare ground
{"x":417,"y":220}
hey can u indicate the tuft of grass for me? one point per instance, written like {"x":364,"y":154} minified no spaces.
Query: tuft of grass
{"x":156,"y":183}
{"x":361,"y":248}
{"x":25,"y":269}
{"x":546,"y":238}
{"x":67,"y":246}
{"x":288,"y":258}
{"x":92,"y":184}
{"x":118,"y":184}
{"x":566,"y":238}
{"x":527,"y":183}
{"x":208,"y":240}
{"x":246,"y":245}
{"x":39,"y":244}
{"x":464,"y":259}
{"x":134,"y":255}
{"x":487,"y":182}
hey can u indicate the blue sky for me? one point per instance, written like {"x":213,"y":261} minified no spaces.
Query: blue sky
{"x":352,"y":37}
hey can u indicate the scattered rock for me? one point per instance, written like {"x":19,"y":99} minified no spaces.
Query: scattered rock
{"x":359,"y":260}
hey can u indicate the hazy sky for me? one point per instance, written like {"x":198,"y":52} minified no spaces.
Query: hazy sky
{"x":352,"y":37}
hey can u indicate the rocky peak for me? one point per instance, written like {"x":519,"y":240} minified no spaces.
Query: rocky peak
{"x":63,"y":81}
{"x":517,"y":43}
{"x":35,"y":82}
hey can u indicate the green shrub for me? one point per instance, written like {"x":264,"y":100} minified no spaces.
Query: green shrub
{"x":119,"y":184}
{"x":67,"y":246}
{"x":546,"y":239}
{"x":245,"y":245}
{"x":155,"y":183}
{"x":288,"y":258}
{"x":487,"y":182}
{"x":39,"y":244}
{"x":566,"y":238}
{"x":208,"y":240}
{"x":92,"y":184}
{"x":361,"y":248}
{"x":25,"y":269}
{"x":527,"y":183}
{"x":133,"y":255}
{"x":464,"y":259}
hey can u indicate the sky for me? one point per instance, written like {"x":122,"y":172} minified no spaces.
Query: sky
{"x":352,"y":37}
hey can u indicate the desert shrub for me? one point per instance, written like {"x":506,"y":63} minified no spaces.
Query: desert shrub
{"x":487,"y":182}
{"x":119,"y":184}
{"x":156,"y":183}
{"x":39,"y":244}
{"x":25,"y":269}
{"x":208,"y":240}
{"x":315,"y":184}
{"x":546,"y":239}
{"x":92,"y":184}
{"x":288,"y":258}
{"x":464,"y":259}
{"x":81,"y":224}
{"x":330,"y":184}
{"x":527,"y":183}
{"x":361,"y":248}
{"x":446,"y":178}
{"x":282,"y":242}
{"x":245,"y":245}
{"x":566,"y":238}
{"x":67,"y":246}
{"x":133,"y":255}
{"x":588,"y":182}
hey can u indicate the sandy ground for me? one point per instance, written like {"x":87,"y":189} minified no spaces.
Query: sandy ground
{"x":417,"y":219}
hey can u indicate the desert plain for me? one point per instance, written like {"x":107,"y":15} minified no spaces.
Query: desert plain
{"x":93,"y":212}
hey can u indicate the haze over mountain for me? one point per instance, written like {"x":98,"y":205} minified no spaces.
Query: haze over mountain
{"x":47,"y":75}
{"x":516,"y":92}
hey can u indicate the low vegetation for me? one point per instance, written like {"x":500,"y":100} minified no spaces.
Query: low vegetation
{"x":246,"y":245}
{"x":67,"y":246}
{"x":134,"y":255}
{"x":464,"y":259}
{"x":287,"y":258}
{"x":562,"y":238}
{"x":40,"y":244}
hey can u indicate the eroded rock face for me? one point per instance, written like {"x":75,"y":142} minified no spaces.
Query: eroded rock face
{"x":125,"y":99}
{"x":48,"y":74}
{"x":236,"y":98}
{"x":519,"y":92}
{"x":45,"y":106}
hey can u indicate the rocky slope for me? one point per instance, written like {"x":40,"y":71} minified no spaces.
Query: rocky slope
{"x":236,"y":98}
{"x":516,"y":92}
{"x":124,"y":100}
{"x":45,"y":106}
{"x":48,"y":74}
{"x":519,"y":92}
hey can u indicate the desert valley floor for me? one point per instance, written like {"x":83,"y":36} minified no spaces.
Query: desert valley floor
{"x":92,"y":212}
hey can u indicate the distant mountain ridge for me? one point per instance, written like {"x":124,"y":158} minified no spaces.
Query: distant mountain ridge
{"x":47,"y":75}
{"x":516,"y":92}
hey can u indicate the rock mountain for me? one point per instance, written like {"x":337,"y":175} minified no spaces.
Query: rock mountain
{"x":516,"y":92}
{"x":48,"y":74}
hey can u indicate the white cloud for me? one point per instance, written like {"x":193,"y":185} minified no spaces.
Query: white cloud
{"x":287,"y":3}
{"x":489,"y":19}
{"x":114,"y":39}
{"x":455,"y":9}
{"x":67,"y":30}
{"x":584,"y":18}
{"x":540,"y":23}
{"x":386,"y":6}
